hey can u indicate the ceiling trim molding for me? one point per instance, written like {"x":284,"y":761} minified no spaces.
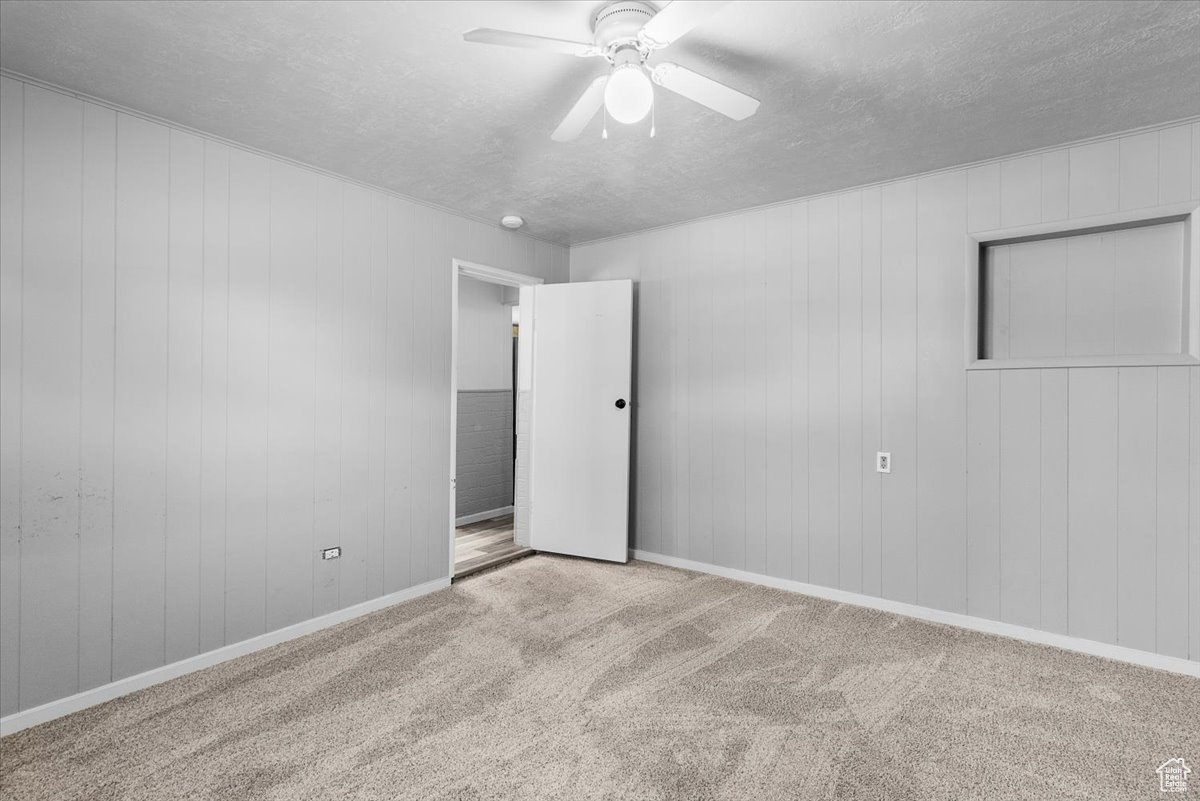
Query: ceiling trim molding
{"x":52,"y":87}
{"x":1158,"y":126}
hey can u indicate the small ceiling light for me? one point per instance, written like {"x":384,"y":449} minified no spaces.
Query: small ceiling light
{"x":628,"y":95}
{"x":511,"y":221}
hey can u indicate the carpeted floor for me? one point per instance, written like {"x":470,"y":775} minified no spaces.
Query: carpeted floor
{"x":555,"y":678}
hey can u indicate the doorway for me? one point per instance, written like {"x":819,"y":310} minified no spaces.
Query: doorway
{"x":572,"y":411}
{"x":485,"y":514}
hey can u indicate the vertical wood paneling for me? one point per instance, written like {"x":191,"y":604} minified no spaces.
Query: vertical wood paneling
{"x":681,"y":380}
{"x":872,"y":299}
{"x":1147,"y":316}
{"x":427,"y":514}
{"x":728,"y":394}
{"x":247,"y":477}
{"x":668,"y":255}
{"x":899,"y":387}
{"x":643,"y":530}
{"x":1194,"y":492}
{"x":1101,"y":294}
{"x":441,"y":276}
{"x":1174,"y":164}
{"x":1194,"y":479}
{"x":1196,"y":161}
{"x":315,"y":331}
{"x":12,"y":172}
{"x":140,"y":396}
{"x":654,"y":390}
{"x":1139,"y":170}
{"x":850,"y":406}
{"x":754,"y":350}
{"x":1169,"y":582}
{"x":1091,"y":294}
{"x":50,"y":431}
{"x":1092,"y":498}
{"x":999,"y":278}
{"x":476,"y":238}
{"x":1020,"y":496}
{"x":983,"y":494}
{"x":172,"y":424}
{"x":657,"y":498}
{"x":700,"y":380}
{"x":1037,"y":300}
{"x":983,"y":198}
{"x":327,"y":401}
{"x":778,"y":365}
{"x":940,"y":455}
{"x":1137,"y":403}
{"x":1054,"y":475}
{"x":356,"y":434}
{"x":291,"y":393}
{"x":96,"y":396}
{"x":377,"y":393}
{"x":635,"y":254}
{"x":823,"y":392}
{"x":398,"y":426}
{"x":1095,"y":178}
{"x":439,"y":551}
{"x":1055,"y":184}
{"x":800,"y":376}
{"x":862,"y":350}
{"x":1021,"y":191}
{"x":185,"y":313}
{"x":215,"y":389}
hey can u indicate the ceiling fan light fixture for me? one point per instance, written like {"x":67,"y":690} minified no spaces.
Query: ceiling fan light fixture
{"x":628,"y":95}
{"x":625,"y":33}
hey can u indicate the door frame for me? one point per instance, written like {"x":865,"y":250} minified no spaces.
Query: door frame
{"x":461,"y":268}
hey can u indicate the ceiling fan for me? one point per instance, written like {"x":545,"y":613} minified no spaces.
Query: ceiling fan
{"x":626,"y":33}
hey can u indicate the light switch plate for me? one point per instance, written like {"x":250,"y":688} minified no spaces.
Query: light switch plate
{"x":331,"y":553}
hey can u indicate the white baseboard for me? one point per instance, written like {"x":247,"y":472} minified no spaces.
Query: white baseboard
{"x":488,"y":515}
{"x":98,"y":695}
{"x":1172,"y":664}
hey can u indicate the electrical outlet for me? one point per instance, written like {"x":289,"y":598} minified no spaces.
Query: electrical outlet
{"x":331,"y":553}
{"x":883,"y":462}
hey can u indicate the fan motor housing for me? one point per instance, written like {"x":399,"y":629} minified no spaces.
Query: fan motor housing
{"x":619,"y":22}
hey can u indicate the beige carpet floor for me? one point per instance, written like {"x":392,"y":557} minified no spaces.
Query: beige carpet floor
{"x":555,"y":678}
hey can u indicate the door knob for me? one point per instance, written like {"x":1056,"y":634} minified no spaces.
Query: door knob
{"x":620,"y":403}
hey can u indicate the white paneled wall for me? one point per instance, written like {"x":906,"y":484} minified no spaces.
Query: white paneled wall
{"x":1106,"y":294}
{"x":485,"y":338}
{"x":213,"y":364}
{"x":780,"y":348}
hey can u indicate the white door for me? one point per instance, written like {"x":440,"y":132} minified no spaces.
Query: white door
{"x":580,"y":418}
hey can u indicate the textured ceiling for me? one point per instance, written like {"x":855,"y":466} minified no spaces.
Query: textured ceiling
{"x":852,"y":92}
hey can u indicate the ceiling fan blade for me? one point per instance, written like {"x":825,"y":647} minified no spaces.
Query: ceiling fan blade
{"x":679,"y":17}
{"x":705,"y":91}
{"x":582,"y":112}
{"x":511,"y":39}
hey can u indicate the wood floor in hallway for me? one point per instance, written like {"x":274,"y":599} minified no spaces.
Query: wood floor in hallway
{"x":484,"y":544}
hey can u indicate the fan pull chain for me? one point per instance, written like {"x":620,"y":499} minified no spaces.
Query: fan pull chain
{"x":653,"y":108}
{"x":604,"y":130}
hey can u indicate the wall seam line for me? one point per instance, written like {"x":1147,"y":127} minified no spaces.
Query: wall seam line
{"x":112,"y":509}
{"x":167,"y":411}
{"x":225,"y":449}
{"x":79,"y":421}
{"x":203,"y":316}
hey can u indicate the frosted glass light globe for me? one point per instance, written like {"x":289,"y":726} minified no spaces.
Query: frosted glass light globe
{"x":628,"y":94}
